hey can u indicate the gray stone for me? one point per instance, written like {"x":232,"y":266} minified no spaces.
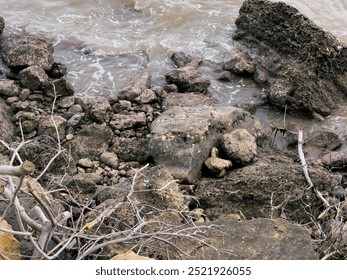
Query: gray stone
{"x":188,"y":99}
{"x":20,"y":51}
{"x":127,"y":121}
{"x":7,"y":129}
{"x":97,"y":107}
{"x":182,"y":137}
{"x":240,"y":146}
{"x":90,"y":141}
{"x":130,"y":93}
{"x":83,"y":182}
{"x":2,"y":24}
{"x":147,"y":96}
{"x":75,"y":120}
{"x":66,"y":102}
{"x":110,"y":159}
{"x":9,"y":88}
{"x":62,"y":87}
{"x":188,"y":79}
{"x":131,"y":149}
{"x":181,"y":60}
{"x":85,"y":163}
{"x":239,"y":62}
{"x":49,"y":128}
{"x":33,"y":78}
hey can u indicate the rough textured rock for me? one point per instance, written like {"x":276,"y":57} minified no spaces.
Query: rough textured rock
{"x":131,"y":149}
{"x":259,"y":239}
{"x":188,"y":79}
{"x":128,"y":120}
{"x":97,"y":107}
{"x":90,"y":141}
{"x":47,"y":127}
{"x":110,"y":159}
{"x":306,"y":65}
{"x":62,"y":87}
{"x":240,"y":146}
{"x":7,"y":129}
{"x":188,"y":99}
{"x":215,"y":165}
{"x":2,"y":25}
{"x":239,"y":62}
{"x":9,"y":88}
{"x":85,"y":182}
{"x":182,"y":137}
{"x":132,"y":92}
{"x":20,"y":51}
{"x":182,"y":59}
{"x":251,"y":189}
{"x":33,"y":78}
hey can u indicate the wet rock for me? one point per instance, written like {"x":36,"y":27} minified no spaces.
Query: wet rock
{"x":259,"y":239}
{"x":181,"y":60}
{"x":110,"y":159}
{"x":130,"y":93}
{"x":33,"y":78}
{"x":240,"y":146}
{"x":90,"y":141}
{"x":182,"y":137}
{"x":48,"y":127}
{"x":62,"y":87}
{"x":239,"y":62}
{"x":21,"y":50}
{"x":7,"y":129}
{"x":131,"y":149}
{"x":188,"y":79}
{"x":97,"y":107}
{"x":58,"y":70}
{"x":9,"y":88}
{"x":188,"y":99}
{"x":257,"y":189}
{"x":127,"y":121}
{"x":303,"y":66}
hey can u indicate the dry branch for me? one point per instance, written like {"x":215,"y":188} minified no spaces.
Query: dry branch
{"x":27,"y":167}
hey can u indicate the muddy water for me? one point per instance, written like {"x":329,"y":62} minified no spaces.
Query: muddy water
{"x":107,"y":43}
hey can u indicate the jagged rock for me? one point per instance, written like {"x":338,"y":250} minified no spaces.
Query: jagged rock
{"x":188,"y":99}
{"x":254,"y":189}
{"x":216,"y":165}
{"x":2,"y":24}
{"x":9,"y":88}
{"x":97,"y":107}
{"x":181,"y":60}
{"x":306,"y":69}
{"x":146,"y":97}
{"x":47,"y":127}
{"x":131,"y":149}
{"x":62,"y":87}
{"x":67,"y":102}
{"x":110,"y":159}
{"x":188,"y":79}
{"x":127,"y":121}
{"x":182,"y":137}
{"x":21,"y":50}
{"x":58,"y":70}
{"x":239,"y":62}
{"x":7,"y":129}
{"x":132,"y":92}
{"x":33,"y":78}
{"x":320,"y":142}
{"x":90,"y":141}
{"x":240,"y":146}
{"x":258,"y":239}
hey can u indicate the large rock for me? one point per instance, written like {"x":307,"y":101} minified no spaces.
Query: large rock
{"x":188,"y":79}
{"x":188,"y":99}
{"x":273,"y":186}
{"x":182,"y":137}
{"x":9,"y":88}
{"x":131,"y":149}
{"x":97,"y":107}
{"x":33,"y":78}
{"x":90,"y":141}
{"x":306,"y":65}
{"x":20,"y":51}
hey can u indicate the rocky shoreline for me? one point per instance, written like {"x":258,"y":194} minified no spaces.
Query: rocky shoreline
{"x":203,"y":165}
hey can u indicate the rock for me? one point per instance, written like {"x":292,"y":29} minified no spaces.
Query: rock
{"x":188,"y":79}
{"x":258,"y":239}
{"x":131,"y":149}
{"x":239,"y":62}
{"x":181,"y":60}
{"x":67,"y":102}
{"x":21,"y":50}
{"x":130,"y":93}
{"x":58,"y":70}
{"x":33,"y":78}
{"x":130,"y":255}
{"x":127,"y":121}
{"x":182,"y":137}
{"x":146,"y":97}
{"x":97,"y":107}
{"x":85,"y":163}
{"x":9,"y":88}
{"x":301,"y":66}
{"x":188,"y":99}
{"x":110,"y":159}
{"x":216,"y":165}
{"x":75,"y":120}
{"x":240,"y":146}
{"x":90,"y":141}
{"x":62,"y":87}
{"x":253,"y":190}
{"x":20,"y":105}
{"x":2,"y":24}
{"x":7,"y":129}
{"x":47,"y":127}
{"x":334,"y":160}
{"x":82,"y":182}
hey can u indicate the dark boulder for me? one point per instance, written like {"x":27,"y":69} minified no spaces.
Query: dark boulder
{"x":306,"y":66}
